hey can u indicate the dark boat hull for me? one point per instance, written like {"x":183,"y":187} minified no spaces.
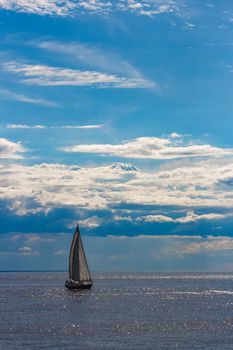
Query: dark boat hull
{"x":70,"y":284}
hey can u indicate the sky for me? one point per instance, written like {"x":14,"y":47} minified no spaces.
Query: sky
{"x":116,"y":115}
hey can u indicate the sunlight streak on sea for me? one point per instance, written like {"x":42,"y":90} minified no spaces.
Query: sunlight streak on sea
{"x":121,"y":311}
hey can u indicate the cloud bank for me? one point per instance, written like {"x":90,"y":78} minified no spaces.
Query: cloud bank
{"x":182,"y":197}
{"x":44,"y":187}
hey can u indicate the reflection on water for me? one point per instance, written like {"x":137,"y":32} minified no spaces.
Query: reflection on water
{"x":134,"y":311}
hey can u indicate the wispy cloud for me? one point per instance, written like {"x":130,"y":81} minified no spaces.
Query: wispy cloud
{"x":10,"y":150}
{"x":90,"y":55}
{"x":10,"y":95}
{"x":34,"y":239}
{"x":212,"y":244}
{"x":31,"y":238}
{"x":90,"y":126}
{"x":25,"y":126}
{"x":150,"y":148}
{"x":71,"y":7}
{"x":54,"y":76}
{"x":60,"y":252}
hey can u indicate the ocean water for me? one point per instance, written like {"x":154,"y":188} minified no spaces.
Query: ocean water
{"x":122,"y":311}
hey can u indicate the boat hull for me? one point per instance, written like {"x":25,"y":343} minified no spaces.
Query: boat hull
{"x":70,"y":284}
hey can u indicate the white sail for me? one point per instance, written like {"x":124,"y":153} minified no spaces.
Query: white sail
{"x":78,"y":268}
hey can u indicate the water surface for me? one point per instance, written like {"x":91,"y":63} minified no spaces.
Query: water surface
{"x":122,"y":311}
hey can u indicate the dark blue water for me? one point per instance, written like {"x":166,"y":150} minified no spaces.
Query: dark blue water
{"x":141,"y":311}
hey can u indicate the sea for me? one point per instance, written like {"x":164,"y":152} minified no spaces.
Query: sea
{"x":122,"y":311}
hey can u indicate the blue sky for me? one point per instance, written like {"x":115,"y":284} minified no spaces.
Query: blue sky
{"x":117,"y":114}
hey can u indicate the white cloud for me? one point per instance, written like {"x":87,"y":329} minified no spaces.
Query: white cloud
{"x":189,"y":185}
{"x":149,"y":148}
{"x":157,"y":218}
{"x":10,"y":95}
{"x":184,"y":184}
{"x":122,"y":218}
{"x":189,"y":26}
{"x":15,"y":237}
{"x":39,"y":7}
{"x":90,"y":55}
{"x":91,"y":222}
{"x":54,"y":76}
{"x":25,"y":126}
{"x":95,"y":5}
{"x":90,"y":126}
{"x":27,"y":251}
{"x":211,"y":244}
{"x":175,"y":135}
{"x":10,"y":150}
{"x":190,"y":217}
{"x":35,"y":238}
{"x":71,"y":7}
{"x":32,"y":238}
{"x":60,"y":252}
{"x":50,"y":184}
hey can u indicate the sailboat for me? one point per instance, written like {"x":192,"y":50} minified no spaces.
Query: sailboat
{"x":79,"y":274}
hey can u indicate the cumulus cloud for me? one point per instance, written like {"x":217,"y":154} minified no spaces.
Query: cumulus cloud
{"x":71,"y":7}
{"x":149,"y":8}
{"x":10,"y":150}
{"x":55,"y":76}
{"x":44,"y":187}
{"x":39,"y":7}
{"x":181,"y":198}
{"x":50,"y":184}
{"x":149,"y":148}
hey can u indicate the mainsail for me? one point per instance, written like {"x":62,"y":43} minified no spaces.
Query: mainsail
{"x":78,"y":268}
